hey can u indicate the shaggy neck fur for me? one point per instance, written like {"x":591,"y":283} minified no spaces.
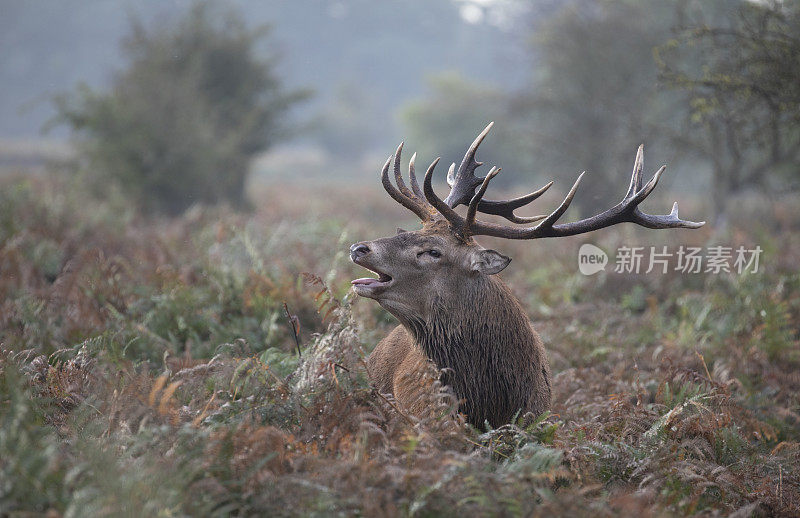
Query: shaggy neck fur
{"x":483,"y":341}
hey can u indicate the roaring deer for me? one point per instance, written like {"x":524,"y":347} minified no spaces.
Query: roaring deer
{"x":453,"y":309}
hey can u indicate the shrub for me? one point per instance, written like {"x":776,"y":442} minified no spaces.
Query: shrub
{"x":186,"y":115}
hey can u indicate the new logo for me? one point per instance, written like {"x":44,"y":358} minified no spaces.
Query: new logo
{"x":591,"y":259}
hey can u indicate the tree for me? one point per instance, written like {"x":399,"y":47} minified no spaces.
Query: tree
{"x":740,"y":73}
{"x":594,"y":96}
{"x":186,"y":115}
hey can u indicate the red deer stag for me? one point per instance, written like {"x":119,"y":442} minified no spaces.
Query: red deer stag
{"x":453,"y":310}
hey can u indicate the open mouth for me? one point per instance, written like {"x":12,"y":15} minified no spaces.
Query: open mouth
{"x":370,"y":282}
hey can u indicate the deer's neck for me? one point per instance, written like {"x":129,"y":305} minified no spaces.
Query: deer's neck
{"x":482,"y":340}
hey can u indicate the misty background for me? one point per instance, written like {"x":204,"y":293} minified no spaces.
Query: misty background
{"x":374,"y":54}
{"x":572,"y":86}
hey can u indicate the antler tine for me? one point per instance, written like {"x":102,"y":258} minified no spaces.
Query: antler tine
{"x":639,"y":196}
{"x":464,"y":181}
{"x":412,"y":175}
{"x":398,"y":177}
{"x":451,"y":175}
{"x":473,"y":204}
{"x":456,"y":221}
{"x":553,"y":217}
{"x":398,"y":196}
{"x":670,"y":220}
{"x":636,"y":176}
{"x":506,"y":208}
{"x":419,"y":196}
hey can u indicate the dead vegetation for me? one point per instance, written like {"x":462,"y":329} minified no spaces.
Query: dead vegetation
{"x":150,"y":367}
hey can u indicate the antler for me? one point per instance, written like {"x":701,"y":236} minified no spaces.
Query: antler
{"x":626,"y":210}
{"x":410,"y":199}
{"x":464,"y":182}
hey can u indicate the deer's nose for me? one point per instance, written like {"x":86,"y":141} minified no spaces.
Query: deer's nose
{"x":358,"y":250}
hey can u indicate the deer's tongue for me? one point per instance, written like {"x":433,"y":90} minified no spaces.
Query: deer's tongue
{"x":369,"y":281}
{"x":365,"y":281}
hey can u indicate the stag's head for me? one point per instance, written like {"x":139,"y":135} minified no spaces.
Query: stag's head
{"x":418,"y":269}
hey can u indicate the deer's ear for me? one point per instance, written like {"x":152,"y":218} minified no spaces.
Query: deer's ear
{"x":401,"y":231}
{"x":489,"y":262}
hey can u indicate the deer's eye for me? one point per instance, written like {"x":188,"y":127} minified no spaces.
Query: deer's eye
{"x":432,"y":252}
